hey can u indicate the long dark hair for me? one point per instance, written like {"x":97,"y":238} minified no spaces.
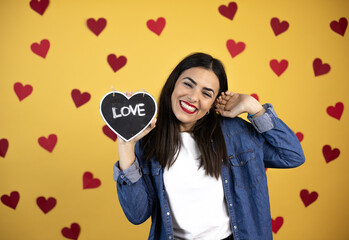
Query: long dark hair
{"x":164,"y":142}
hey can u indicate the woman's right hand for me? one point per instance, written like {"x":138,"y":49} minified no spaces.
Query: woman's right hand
{"x":126,"y":149}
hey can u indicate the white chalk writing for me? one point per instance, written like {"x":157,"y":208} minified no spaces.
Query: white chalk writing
{"x":125,"y":111}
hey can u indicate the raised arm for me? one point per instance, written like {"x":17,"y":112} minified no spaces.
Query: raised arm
{"x":134,"y":194}
{"x":280,"y":145}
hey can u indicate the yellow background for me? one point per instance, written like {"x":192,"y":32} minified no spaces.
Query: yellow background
{"x":78,"y":59}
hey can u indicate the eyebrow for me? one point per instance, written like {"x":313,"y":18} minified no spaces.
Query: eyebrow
{"x":205,"y":88}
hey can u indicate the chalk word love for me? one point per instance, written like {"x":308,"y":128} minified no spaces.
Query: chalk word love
{"x":125,"y":111}
{"x":127,"y":116}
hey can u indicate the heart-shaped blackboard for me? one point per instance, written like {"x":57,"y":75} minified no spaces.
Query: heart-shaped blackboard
{"x":127,"y":116}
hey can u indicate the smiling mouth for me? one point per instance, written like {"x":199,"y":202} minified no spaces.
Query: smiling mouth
{"x":187,"y":107}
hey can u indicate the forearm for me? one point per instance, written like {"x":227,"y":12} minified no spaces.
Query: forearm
{"x":282,"y":148}
{"x":126,"y":152}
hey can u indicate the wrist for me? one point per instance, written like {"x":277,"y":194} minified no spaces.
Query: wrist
{"x":253,"y":107}
{"x":256,"y":114}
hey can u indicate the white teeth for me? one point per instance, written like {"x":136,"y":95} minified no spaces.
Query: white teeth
{"x":186,"y":106}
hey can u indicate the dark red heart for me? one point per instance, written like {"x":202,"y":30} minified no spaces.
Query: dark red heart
{"x":336,"y":111}
{"x":12,"y":200}
{"x":156,"y":26}
{"x":46,"y":205}
{"x":89,"y":181}
{"x":22,"y":91}
{"x":42,"y":48}
{"x":277,"y":224}
{"x":80,"y":98}
{"x":228,"y":11}
{"x":72,"y":232}
{"x":300,"y":136}
{"x":39,"y":6}
{"x":329,"y":153}
{"x":96,"y":26}
{"x":235,"y":48}
{"x":339,"y":27}
{"x":116,"y":62}
{"x":277,"y":26}
{"x":308,"y":198}
{"x":108,"y":132}
{"x":255,"y":96}
{"x":320,"y":68}
{"x":48,"y":143}
{"x":3,"y":147}
{"x":278,"y":67}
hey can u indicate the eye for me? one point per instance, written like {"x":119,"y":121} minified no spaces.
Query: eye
{"x":187,"y":84}
{"x":207,"y":94}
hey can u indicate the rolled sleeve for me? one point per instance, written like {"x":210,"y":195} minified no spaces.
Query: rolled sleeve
{"x":127,"y":176}
{"x":264,"y":122}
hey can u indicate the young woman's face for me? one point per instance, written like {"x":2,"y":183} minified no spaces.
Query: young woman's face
{"x":193,"y":96}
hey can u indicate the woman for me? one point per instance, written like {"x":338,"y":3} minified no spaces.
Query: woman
{"x":200,"y":172}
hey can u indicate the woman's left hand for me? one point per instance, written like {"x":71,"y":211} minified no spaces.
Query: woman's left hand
{"x":231,"y":104}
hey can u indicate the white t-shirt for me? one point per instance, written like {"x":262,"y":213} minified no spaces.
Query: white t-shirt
{"x":196,"y":200}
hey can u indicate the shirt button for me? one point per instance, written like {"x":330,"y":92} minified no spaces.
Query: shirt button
{"x":231,"y":205}
{"x":169,"y":237}
{"x":235,"y":227}
{"x":168,"y":213}
{"x":122,"y":176}
{"x":226,"y":181}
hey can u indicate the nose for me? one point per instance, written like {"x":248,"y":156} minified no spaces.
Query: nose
{"x":193,"y":96}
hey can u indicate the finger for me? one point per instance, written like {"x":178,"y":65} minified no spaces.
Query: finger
{"x":153,"y":123}
{"x":219,"y":106}
{"x":224,"y":101}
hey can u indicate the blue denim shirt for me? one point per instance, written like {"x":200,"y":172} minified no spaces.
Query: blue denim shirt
{"x":266,"y":143}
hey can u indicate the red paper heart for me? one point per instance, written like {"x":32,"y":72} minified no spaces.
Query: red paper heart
{"x":300,"y":136}
{"x":22,"y":91}
{"x":255,"y":96}
{"x":228,"y":11}
{"x":277,"y":26}
{"x":235,"y":48}
{"x":96,"y":26}
{"x":278,"y":67}
{"x":339,"y":27}
{"x":42,"y":48}
{"x":3,"y":147}
{"x":108,"y":132}
{"x":48,"y":143}
{"x":329,"y":153}
{"x":156,"y":26}
{"x":336,"y":111}
{"x":319,"y":68}
{"x":116,"y":62}
{"x":12,"y":200}
{"x":39,"y":6}
{"x":46,"y":205}
{"x":89,"y":181}
{"x":308,"y":198}
{"x":277,"y":224}
{"x":72,"y":232}
{"x":80,"y":98}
